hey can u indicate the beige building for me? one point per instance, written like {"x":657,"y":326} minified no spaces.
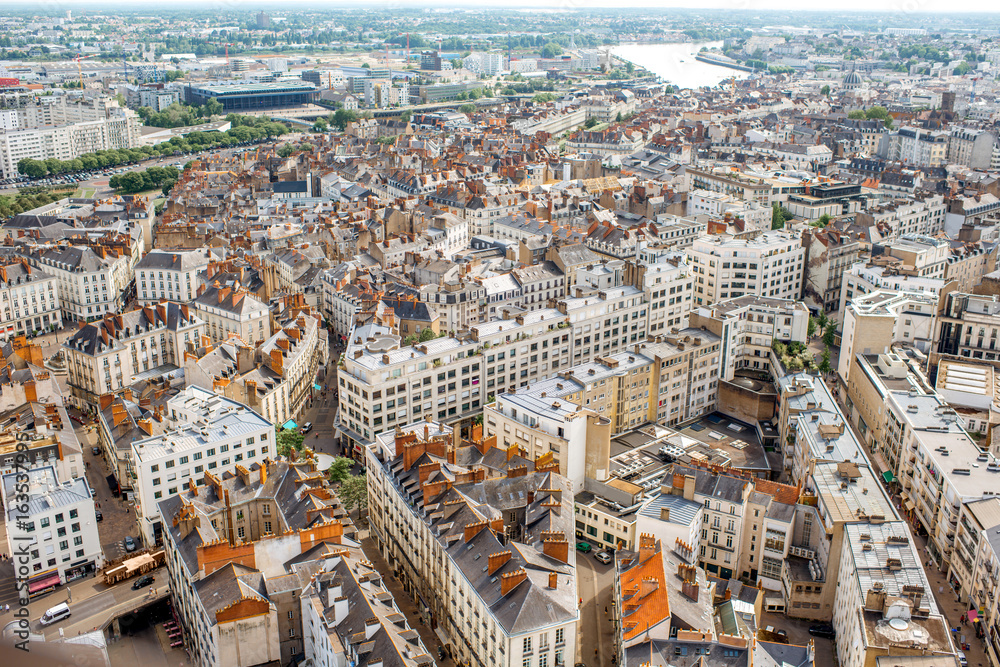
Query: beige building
{"x":757,"y":263}
{"x":230,"y":309}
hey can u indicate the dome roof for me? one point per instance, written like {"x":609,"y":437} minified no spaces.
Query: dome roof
{"x":852,"y":79}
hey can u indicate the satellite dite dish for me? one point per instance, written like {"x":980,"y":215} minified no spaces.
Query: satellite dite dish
{"x":898,"y":624}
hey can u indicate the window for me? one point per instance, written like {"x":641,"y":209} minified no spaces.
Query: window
{"x":241,"y":531}
{"x":61,"y":532}
{"x":560,"y":637}
{"x":75,"y":527}
{"x":44,"y":522}
{"x":77,"y":541}
{"x":72,"y":514}
{"x":267,"y":526}
{"x":169,"y":464}
{"x":184,"y":460}
{"x":526,"y":648}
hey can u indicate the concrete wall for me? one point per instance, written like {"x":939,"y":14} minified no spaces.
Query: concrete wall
{"x":745,"y":404}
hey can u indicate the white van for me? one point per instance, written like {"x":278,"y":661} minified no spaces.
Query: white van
{"x":57,"y":613}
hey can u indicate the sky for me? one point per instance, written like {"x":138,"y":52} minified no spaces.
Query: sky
{"x":896,"y":8}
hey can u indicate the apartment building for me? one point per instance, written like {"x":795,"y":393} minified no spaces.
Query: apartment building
{"x":874,"y":322}
{"x":205,"y":432}
{"x":763,"y":264}
{"x":916,"y":146}
{"x":170,"y":275}
{"x":59,"y":527}
{"x":241,"y":547}
{"x":347,"y":600}
{"x":579,"y":440}
{"x":867,"y":277}
{"x":969,"y":325}
{"x":973,"y":567}
{"x":971,"y":147}
{"x":829,"y":254}
{"x":969,"y":263}
{"x":666,"y":279}
{"x":922,"y":214}
{"x":90,"y":282}
{"x":230,"y":309}
{"x":604,"y":322}
{"x":105,"y":356}
{"x":384,"y":384}
{"x":30,"y":300}
{"x":434,"y":522}
{"x":925,"y":256}
{"x":748,"y":326}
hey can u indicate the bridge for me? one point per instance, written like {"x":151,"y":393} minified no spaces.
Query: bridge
{"x":304,"y":116}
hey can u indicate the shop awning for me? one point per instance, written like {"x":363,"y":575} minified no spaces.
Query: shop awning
{"x":908,"y":504}
{"x":441,"y":636}
{"x":316,"y":387}
{"x":973,"y":615}
{"x":44,"y":582}
{"x":290,"y":424}
{"x":888,"y":476}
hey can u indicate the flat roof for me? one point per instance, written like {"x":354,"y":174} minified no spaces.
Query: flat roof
{"x":251,"y":88}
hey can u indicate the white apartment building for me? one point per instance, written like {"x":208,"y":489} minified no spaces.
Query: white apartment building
{"x":90,"y":282}
{"x":923,"y":214}
{"x":30,"y":300}
{"x":65,"y":142}
{"x":207,"y":432}
{"x":916,"y":146}
{"x":170,"y":275}
{"x":749,"y":326}
{"x":667,"y":281}
{"x":230,"y":309}
{"x":59,"y":527}
{"x":606,"y":321}
{"x":471,"y":561}
{"x":105,"y":356}
{"x":865,"y":278}
{"x":765,"y":264}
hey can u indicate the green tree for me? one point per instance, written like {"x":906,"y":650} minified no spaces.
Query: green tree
{"x":467,"y":108}
{"x":31,"y":168}
{"x":825,"y":91}
{"x":343,"y":117}
{"x":829,"y":333}
{"x":857,"y":114}
{"x":551,"y":50}
{"x":340,"y":469}
{"x":289,"y":439}
{"x":406,"y":116}
{"x":426,"y":335}
{"x":213,"y":107}
{"x":777,"y":218}
{"x":591,"y":122}
{"x":812,"y":326}
{"x":824,"y":364}
{"x":353,"y":492}
{"x":286,"y":151}
{"x":320,"y":125}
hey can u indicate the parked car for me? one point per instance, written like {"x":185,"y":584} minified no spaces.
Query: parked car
{"x":308,"y":426}
{"x":130,"y":545}
{"x":98,"y":515}
{"x":583,"y":547}
{"x":95,"y":450}
{"x":603,"y":557}
{"x":962,"y":660}
{"x":143,"y":581}
{"x":824,"y":630}
{"x":57,"y":613}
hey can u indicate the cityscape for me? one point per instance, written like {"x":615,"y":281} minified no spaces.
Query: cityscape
{"x":524,"y":336}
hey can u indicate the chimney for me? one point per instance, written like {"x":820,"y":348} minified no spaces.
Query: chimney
{"x":510,"y":581}
{"x":647,"y":547}
{"x":473,"y":529}
{"x":648,"y":585}
{"x":553,"y":580}
{"x":263,"y":471}
{"x":690,"y":589}
{"x":556,"y":547}
{"x":664,"y":514}
{"x":192,"y":487}
{"x":517,"y":471}
{"x":496,"y":561}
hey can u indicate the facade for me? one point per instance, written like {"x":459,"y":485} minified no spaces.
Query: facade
{"x":230,"y":309}
{"x":924,"y":148}
{"x":828,"y":255}
{"x":105,"y":356}
{"x":30,"y":300}
{"x":90,"y":282}
{"x":169,"y":275}
{"x":59,"y":527}
{"x":766,"y":264}
{"x":206,"y":433}
{"x":236,"y":97}
{"x":522,"y":608}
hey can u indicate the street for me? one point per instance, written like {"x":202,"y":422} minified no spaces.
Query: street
{"x":595,"y":632}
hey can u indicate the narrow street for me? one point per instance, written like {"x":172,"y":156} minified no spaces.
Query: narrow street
{"x":596,"y":632}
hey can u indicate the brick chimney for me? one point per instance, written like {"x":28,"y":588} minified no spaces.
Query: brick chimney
{"x":192,"y":487}
{"x":647,"y":546}
{"x":648,"y":585}
{"x":496,"y":561}
{"x":517,"y":471}
{"x":473,"y":529}
{"x":510,"y":581}
{"x":690,"y":589}
{"x":553,"y":580}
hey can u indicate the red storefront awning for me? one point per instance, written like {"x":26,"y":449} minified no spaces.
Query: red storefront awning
{"x":44,"y":582}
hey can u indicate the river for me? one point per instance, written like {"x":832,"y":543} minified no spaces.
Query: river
{"x":675,"y":63}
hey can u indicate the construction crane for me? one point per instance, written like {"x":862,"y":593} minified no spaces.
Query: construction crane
{"x":79,"y":68}
{"x":227,"y":55}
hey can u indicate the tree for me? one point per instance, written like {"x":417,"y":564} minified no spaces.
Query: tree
{"x":591,"y":122}
{"x":31,"y":168}
{"x":829,"y":333}
{"x":289,"y":439}
{"x":343,"y":117}
{"x":427,"y":334}
{"x":857,"y":114}
{"x":551,"y":50}
{"x":213,"y":107}
{"x":824,"y":364}
{"x":825,"y":91}
{"x":811,"y":327}
{"x":354,"y":492}
{"x":467,"y":108}
{"x":406,"y":116}
{"x":340,"y":469}
{"x":777,"y":218}
{"x":286,"y":150}
{"x":320,"y":126}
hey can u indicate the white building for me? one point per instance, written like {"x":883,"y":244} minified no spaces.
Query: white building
{"x":230,"y":309}
{"x":30,"y":300}
{"x":170,"y":275}
{"x":90,"y":283}
{"x":56,"y":539}
{"x":765,"y":264}
{"x":207,"y":433}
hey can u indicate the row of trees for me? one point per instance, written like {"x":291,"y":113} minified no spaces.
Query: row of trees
{"x":180,"y":115}
{"x":140,"y":181}
{"x":25,"y":200}
{"x":245,"y":129}
{"x":874,"y":113}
